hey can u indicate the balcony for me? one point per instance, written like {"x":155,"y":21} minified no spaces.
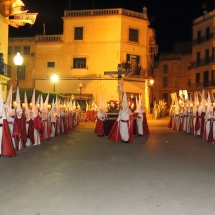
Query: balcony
{"x":7,"y":70}
{"x":105,"y":12}
{"x":202,"y":62}
{"x":203,"y":39}
{"x":201,"y":85}
{"x":49,"y":38}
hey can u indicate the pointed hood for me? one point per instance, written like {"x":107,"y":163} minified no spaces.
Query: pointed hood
{"x":38,"y":101}
{"x":46,"y":102}
{"x":33,"y":99}
{"x":26,"y":101}
{"x":41,"y":102}
{"x":53,"y":104}
{"x":2,"y":112}
{"x":209,"y":105}
{"x":8,"y":101}
{"x":18,"y":101}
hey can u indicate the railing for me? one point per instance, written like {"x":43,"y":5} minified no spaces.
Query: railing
{"x":104,"y":12}
{"x":48,"y":38}
{"x":7,"y":70}
{"x":205,"y":16}
{"x":201,"y":85}
{"x":202,"y":39}
{"x":202,"y":62}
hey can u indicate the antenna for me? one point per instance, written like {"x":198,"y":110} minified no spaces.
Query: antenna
{"x":44,"y":28}
{"x":69,"y":4}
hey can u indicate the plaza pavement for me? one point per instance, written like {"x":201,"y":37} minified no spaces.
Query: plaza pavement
{"x":167,"y":173}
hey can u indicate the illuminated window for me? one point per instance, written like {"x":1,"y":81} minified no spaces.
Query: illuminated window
{"x":78,"y":35}
{"x":133,"y":35}
{"x":79,"y":62}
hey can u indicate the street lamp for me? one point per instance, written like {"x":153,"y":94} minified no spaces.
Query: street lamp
{"x":80,"y":86}
{"x":54,"y":79}
{"x":18,"y":60}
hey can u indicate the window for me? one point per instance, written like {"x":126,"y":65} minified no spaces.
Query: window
{"x":197,"y":77}
{"x":9,"y":50}
{"x":207,"y":37}
{"x":133,"y":35}
{"x":17,"y":49}
{"x":21,"y":72}
{"x":207,"y":56}
{"x":26,"y":49}
{"x":165,"y":68}
{"x":213,"y":77}
{"x":212,"y":55}
{"x":199,"y":37}
{"x":79,"y":62}
{"x":198,"y":58}
{"x":165,"y":81}
{"x":205,"y":78}
{"x":51,"y":64}
{"x":78,"y":33}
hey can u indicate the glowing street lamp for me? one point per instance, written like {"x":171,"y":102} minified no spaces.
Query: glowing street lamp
{"x":54,"y":79}
{"x":18,"y":60}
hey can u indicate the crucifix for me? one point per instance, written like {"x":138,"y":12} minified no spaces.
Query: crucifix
{"x":120,"y":80}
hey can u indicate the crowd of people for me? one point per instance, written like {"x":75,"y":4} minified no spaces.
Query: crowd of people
{"x":122,"y":130}
{"x":159,"y":110}
{"x":194,"y":116}
{"x":28,"y":124}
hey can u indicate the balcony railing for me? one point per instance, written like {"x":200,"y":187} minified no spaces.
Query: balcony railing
{"x":205,"y":16}
{"x":201,"y":85}
{"x":202,"y":39}
{"x":202,"y":62}
{"x":49,"y":38}
{"x":104,"y":12}
{"x":7,"y":70}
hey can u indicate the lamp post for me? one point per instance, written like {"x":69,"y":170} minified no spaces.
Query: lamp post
{"x":54,"y":79}
{"x":80,"y":86}
{"x":18,"y":60}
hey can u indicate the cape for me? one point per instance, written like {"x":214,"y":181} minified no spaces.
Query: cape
{"x":7,"y":143}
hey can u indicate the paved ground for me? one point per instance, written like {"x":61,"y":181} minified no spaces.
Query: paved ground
{"x":167,"y":173}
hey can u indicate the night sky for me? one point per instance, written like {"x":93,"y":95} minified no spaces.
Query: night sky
{"x":171,"y":19}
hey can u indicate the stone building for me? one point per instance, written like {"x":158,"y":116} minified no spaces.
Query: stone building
{"x":93,"y":42}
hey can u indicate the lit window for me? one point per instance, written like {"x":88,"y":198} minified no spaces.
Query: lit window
{"x":79,"y":62}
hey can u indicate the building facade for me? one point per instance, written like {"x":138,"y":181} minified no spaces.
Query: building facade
{"x":203,"y":47}
{"x":171,"y":75}
{"x":93,"y":42}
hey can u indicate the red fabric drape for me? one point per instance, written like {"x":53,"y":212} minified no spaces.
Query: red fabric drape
{"x":7,"y":143}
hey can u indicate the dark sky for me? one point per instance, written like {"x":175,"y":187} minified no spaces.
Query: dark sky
{"x":171,"y":19}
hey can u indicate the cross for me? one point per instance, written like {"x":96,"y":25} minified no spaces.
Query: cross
{"x":120,"y":80}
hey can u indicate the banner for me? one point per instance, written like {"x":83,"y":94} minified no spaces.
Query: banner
{"x":22,"y":19}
